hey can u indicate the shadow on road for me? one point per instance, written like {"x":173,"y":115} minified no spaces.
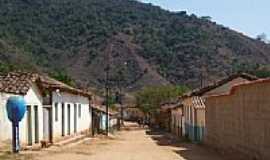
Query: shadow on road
{"x":182,"y":147}
{"x":164,"y":139}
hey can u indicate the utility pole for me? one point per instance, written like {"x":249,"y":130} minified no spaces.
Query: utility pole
{"x":120,"y":100}
{"x":107,"y":74}
{"x":119,"y":95}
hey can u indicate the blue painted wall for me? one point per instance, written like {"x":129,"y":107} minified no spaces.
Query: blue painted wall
{"x":194,"y":133}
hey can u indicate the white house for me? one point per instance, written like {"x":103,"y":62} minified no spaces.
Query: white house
{"x":99,"y":119}
{"x":31,"y":126}
{"x":54,"y":109}
{"x":66,"y":112}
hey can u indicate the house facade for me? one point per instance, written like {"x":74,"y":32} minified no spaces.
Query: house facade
{"x":31,"y":126}
{"x":237,"y":122}
{"x":54,"y":110}
{"x":100,"y":117}
{"x":163,"y":117}
{"x":177,"y":120}
{"x":194,"y":111}
{"x":66,"y":111}
{"x":68,"y":114}
{"x":194,"y":104}
{"x":132,"y":114}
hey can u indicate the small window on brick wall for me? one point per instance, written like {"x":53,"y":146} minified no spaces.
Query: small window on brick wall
{"x":56,"y":111}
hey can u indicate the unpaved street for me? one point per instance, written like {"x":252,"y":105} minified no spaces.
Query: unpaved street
{"x":133,"y":144}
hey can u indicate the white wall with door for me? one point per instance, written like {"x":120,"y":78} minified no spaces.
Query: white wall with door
{"x":31,"y":126}
{"x":71,"y":114}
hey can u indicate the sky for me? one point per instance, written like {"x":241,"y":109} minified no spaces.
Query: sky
{"x":251,"y":17}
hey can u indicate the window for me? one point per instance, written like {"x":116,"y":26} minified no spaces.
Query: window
{"x":80,"y":110}
{"x":56,"y":111}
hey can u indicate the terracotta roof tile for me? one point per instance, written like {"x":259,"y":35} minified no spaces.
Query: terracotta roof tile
{"x":50,"y":83}
{"x":20,"y":82}
{"x":17,"y":82}
{"x":201,"y":91}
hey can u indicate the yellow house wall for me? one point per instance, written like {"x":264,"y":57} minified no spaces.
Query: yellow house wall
{"x":239,"y":124}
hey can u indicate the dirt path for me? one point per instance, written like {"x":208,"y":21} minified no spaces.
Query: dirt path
{"x":134,"y":144}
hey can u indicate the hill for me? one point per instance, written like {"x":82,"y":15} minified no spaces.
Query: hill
{"x":146,"y":44}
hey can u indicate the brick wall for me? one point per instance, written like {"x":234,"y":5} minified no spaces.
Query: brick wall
{"x":239,"y":123}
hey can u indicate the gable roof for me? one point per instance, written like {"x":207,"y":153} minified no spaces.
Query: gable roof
{"x":102,"y":108}
{"x":242,"y":85}
{"x":51,"y":84}
{"x":170,"y":106}
{"x":201,"y":91}
{"x":20,"y":82}
{"x":17,"y":82}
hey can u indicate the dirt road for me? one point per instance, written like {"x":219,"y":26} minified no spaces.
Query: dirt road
{"x":135,"y":144}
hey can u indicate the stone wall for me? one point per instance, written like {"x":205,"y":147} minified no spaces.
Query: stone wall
{"x":238,"y":123}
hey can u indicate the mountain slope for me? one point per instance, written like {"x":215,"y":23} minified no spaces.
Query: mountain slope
{"x":149,"y":45}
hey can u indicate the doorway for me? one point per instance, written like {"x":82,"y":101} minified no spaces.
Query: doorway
{"x":75,"y":118}
{"x":36,"y":124}
{"x":29,"y":125}
{"x":47,"y":124}
{"x":68,"y":110}
{"x":63,"y":119}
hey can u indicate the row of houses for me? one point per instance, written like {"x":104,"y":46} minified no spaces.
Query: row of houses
{"x":194,"y":103}
{"x":132,"y":113}
{"x":100,"y":118}
{"x":230,"y":115}
{"x":55,"y":110}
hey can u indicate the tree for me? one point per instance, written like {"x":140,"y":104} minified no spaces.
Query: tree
{"x":262,"y":37}
{"x":62,"y":76}
{"x":208,"y":18}
{"x":149,"y":98}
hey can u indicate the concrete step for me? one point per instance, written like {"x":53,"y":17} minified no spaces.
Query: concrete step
{"x":70,"y":140}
